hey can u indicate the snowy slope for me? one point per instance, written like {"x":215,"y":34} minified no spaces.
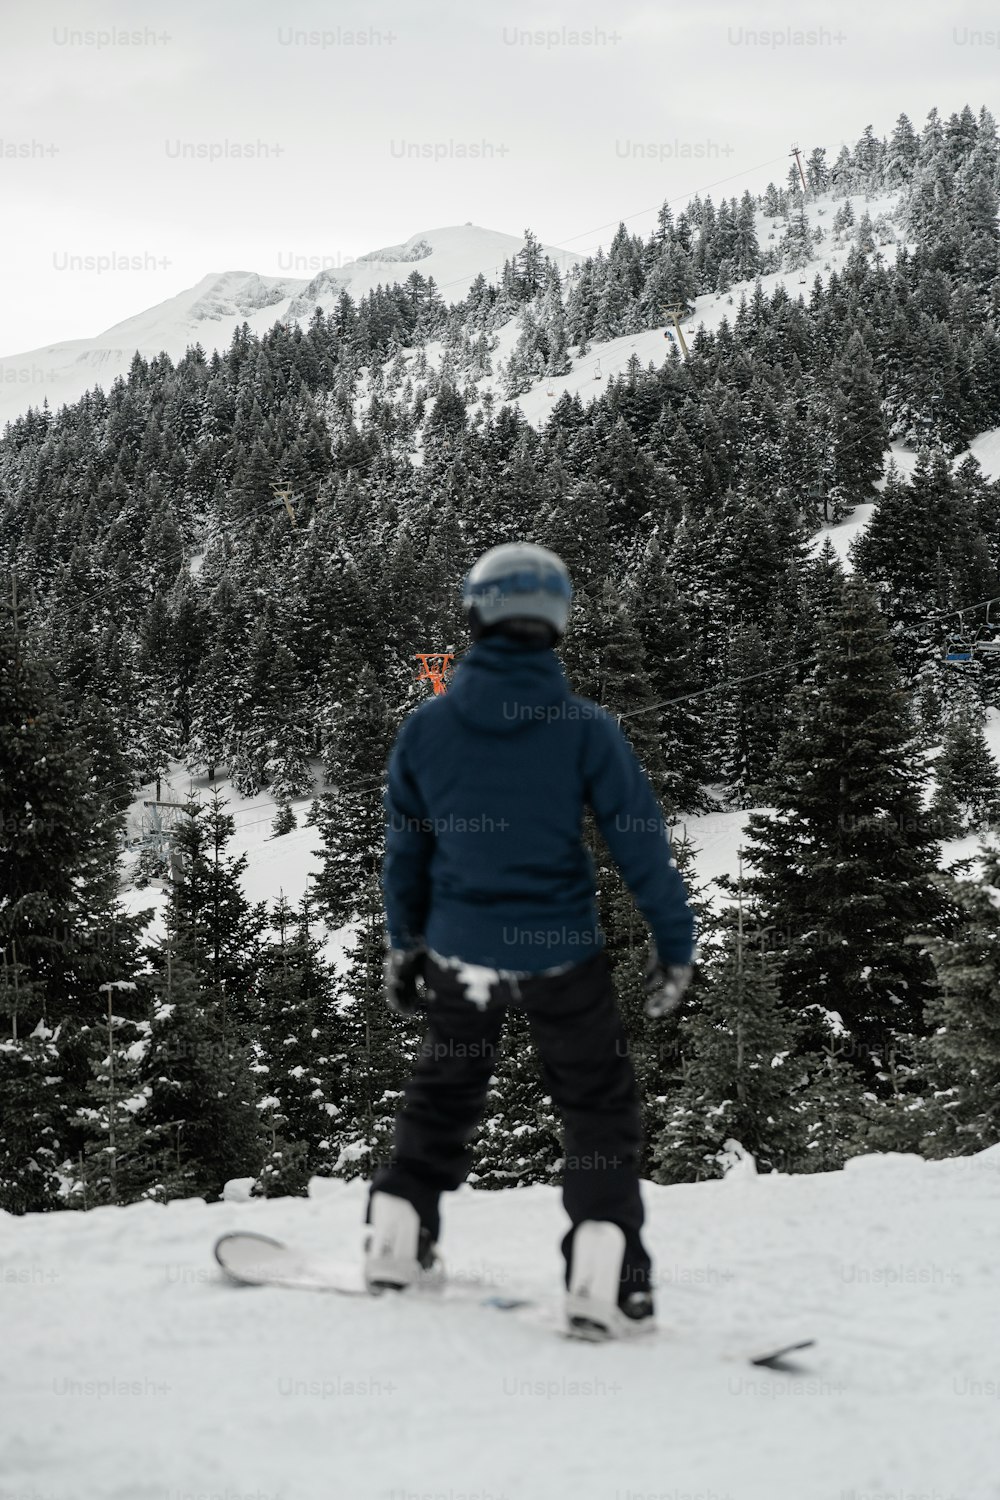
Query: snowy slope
{"x":284,"y":865}
{"x":843,"y":533}
{"x":591,"y":373}
{"x":210,"y":312}
{"x":132,"y":1372}
{"x":276,"y":866}
{"x":986,"y":449}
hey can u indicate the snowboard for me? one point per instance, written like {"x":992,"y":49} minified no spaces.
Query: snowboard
{"x":248,"y":1259}
{"x":256,"y":1260}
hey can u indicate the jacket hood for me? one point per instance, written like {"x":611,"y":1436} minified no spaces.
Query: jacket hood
{"x":501,"y":686}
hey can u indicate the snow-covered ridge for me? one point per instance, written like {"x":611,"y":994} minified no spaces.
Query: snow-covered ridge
{"x":210,"y":312}
{"x":415,"y":249}
{"x":238,"y":292}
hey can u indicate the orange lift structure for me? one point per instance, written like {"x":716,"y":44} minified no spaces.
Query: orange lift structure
{"x":434,"y":674}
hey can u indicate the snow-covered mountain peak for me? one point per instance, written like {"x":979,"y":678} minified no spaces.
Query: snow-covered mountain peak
{"x":209,"y":312}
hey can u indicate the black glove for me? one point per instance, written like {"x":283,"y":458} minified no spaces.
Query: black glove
{"x":665,"y":986}
{"x":404,"y":972}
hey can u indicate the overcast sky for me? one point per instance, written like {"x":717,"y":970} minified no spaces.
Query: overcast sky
{"x":99,"y":134}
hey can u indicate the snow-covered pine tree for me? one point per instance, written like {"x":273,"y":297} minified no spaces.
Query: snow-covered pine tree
{"x":351,"y":816}
{"x":967,"y":791}
{"x":298,"y":1045}
{"x":843,"y":868}
{"x":749,"y":716}
{"x":216,"y":930}
{"x":519,"y":1141}
{"x":200,"y":1121}
{"x":817,"y":170}
{"x":62,"y":930}
{"x":35,"y":1138}
{"x":377,"y":1047}
{"x":283,"y":821}
{"x":901,"y":155}
{"x":655,"y":610}
{"x":216,"y":683}
{"x":554,"y":327}
{"x":964,"y":1044}
{"x":857,"y":430}
{"x":925,"y":554}
{"x":742,"y":1078}
{"x":653,"y":1045}
{"x":796,"y":243}
{"x":113,"y":1164}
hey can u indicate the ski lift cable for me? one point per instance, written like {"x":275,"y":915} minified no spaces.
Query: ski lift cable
{"x":639,"y":213}
{"x":966,"y":609}
{"x":680,"y":197}
{"x":724,"y":683}
{"x":783,"y":666}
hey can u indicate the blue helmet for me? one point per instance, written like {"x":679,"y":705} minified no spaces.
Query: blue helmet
{"x":518,"y":581}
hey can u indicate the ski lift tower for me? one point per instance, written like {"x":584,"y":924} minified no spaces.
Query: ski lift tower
{"x":797,"y":153}
{"x":158,"y":823}
{"x":675,"y":314}
{"x":433,"y":666}
{"x":283,"y":494}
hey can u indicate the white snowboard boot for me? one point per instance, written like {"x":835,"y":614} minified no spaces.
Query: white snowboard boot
{"x":593,"y":1310}
{"x":398,"y":1252}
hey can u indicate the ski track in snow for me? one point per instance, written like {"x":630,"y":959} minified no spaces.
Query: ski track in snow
{"x":221,"y":1391}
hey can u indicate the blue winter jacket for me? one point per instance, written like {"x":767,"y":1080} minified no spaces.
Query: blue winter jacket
{"x":487,"y":787}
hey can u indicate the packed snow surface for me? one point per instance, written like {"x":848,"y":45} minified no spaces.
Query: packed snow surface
{"x":132,"y":1371}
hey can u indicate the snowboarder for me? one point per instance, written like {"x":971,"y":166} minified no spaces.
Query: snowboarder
{"x":490,"y":903}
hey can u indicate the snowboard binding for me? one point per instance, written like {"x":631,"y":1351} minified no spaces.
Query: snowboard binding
{"x":399,"y":1252}
{"x":595,"y":1307}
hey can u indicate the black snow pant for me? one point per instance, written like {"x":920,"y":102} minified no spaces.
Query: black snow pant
{"x":586,"y":1069}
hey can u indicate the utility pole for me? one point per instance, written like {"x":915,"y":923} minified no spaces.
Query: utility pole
{"x":675,"y":314}
{"x":741,"y":1085}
